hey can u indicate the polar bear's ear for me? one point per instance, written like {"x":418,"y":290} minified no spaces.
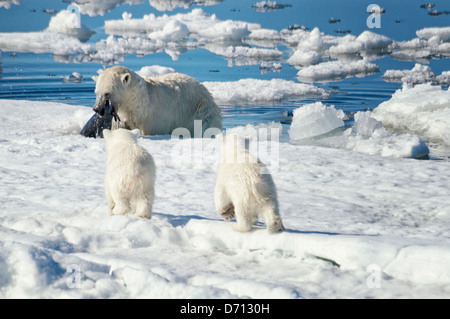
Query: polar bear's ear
{"x":95,"y":78}
{"x":136,"y":132}
{"x":126,"y":78}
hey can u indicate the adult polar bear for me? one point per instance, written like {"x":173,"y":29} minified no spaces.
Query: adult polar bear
{"x":156,"y":105}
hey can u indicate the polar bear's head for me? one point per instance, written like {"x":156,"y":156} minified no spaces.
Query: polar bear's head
{"x":111,"y":87}
{"x":119,"y":136}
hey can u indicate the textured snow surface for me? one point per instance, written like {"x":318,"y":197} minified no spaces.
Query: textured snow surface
{"x":357,"y":225}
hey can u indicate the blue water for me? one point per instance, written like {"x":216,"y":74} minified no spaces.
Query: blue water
{"x":38,"y":77}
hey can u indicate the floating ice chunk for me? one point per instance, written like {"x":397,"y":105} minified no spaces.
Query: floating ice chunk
{"x":154,"y":70}
{"x":251,"y":90}
{"x":366,"y":41}
{"x":241,"y":51}
{"x":444,"y":78}
{"x":423,"y":109}
{"x":195,"y":20}
{"x":69,"y":23}
{"x":7,"y":3}
{"x":173,"y":31}
{"x":126,"y":15}
{"x":94,"y":8}
{"x":431,"y":43}
{"x":75,"y":76}
{"x":307,"y":52}
{"x":373,"y":41}
{"x":304,"y":57}
{"x":195,"y":24}
{"x":315,"y":119}
{"x":439,"y":33}
{"x":264,"y":34}
{"x":170,"y":5}
{"x":336,"y":70}
{"x":313,"y":41}
{"x":419,"y":74}
{"x":226,"y":30}
{"x":43,"y":42}
{"x":266,"y":67}
{"x":264,"y":6}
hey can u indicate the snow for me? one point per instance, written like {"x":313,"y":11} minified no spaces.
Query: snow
{"x":357,"y":225}
{"x":423,"y":109}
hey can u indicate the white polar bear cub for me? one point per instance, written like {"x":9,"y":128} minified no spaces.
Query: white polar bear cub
{"x":130,"y":174}
{"x":245,"y":188}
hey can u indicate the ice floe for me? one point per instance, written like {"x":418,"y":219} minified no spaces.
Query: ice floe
{"x":43,"y":42}
{"x":418,"y":74}
{"x":7,"y":3}
{"x":154,"y":70}
{"x":170,"y":5}
{"x":324,"y":125}
{"x":423,"y":109}
{"x":336,"y":70}
{"x":314,"y":120}
{"x":94,"y":8}
{"x":267,"y":6}
{"x":69,"y":23}
{"x":430,"y":43}
{"x":251,"y":90}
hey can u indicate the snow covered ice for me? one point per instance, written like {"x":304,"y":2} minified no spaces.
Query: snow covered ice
{"x":324,"y":125}
{"x":346,"y":214}
{"x":314,"y":120}
{"x":423,"y":109}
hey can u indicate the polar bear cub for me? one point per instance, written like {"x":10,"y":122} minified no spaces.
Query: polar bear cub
{"x":245,"y":188}
{"x":130,"y":174}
